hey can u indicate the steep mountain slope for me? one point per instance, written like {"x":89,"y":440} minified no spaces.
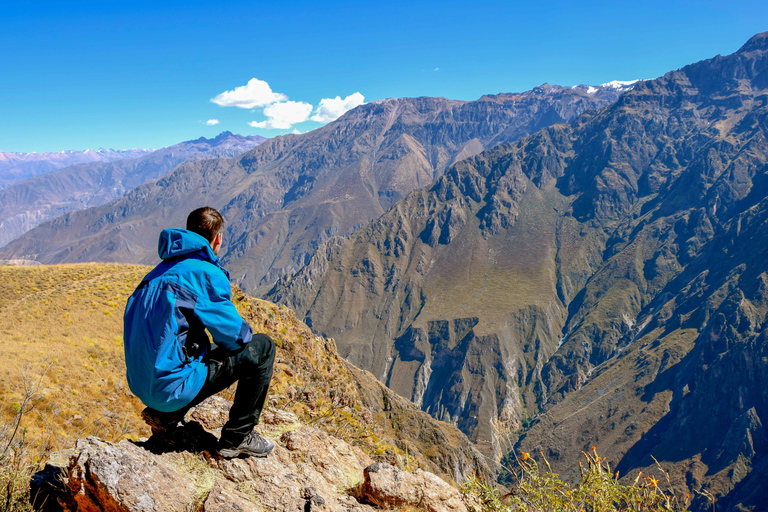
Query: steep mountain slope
{"x":31,"y":202}
{"x":15,"y":167}
{"x":607,"y":279}
{"x":61,"y":331}
{"x":285,"y":197}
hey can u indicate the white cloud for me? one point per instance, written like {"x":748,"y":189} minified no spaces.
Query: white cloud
{"x":256,"y":93}
{"x":281,"y":116}
{"x":212,"y":122}
{"x":331,"y":109}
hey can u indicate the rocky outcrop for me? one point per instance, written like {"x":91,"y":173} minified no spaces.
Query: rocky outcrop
{"x":310,"y":380}
{"x":308,"y":470}
{"x":392,"y":489}
{"x":317,"y":401}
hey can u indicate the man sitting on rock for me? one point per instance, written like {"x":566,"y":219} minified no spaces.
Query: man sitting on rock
{"x":171,"y":364}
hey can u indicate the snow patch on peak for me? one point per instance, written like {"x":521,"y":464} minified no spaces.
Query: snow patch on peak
{"x":620,"y":84}
{"x":615,"y":85}
{"x":384,"y":100}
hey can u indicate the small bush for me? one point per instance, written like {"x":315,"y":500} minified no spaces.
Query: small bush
{"x":538,"y":488}
{"x":17,"y":460}
{"x":17,"y":470}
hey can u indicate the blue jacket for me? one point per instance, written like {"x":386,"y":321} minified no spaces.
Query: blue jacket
{"x":166,"y":318}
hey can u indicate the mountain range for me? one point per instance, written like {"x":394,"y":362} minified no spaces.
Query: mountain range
{"x":603,"y":282}
{"x":541,"y":285}
{"x":284,"y":198}
{"x":16,"y":167}
{"x":28,"y":203}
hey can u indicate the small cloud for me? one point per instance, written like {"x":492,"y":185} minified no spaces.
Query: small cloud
{"x":296,"y":131}
{"x":256,"y":93}
{"x":281,"y":116}
{"x":212,"y":122}
{"x":437,"y":69}
{"x":331,"y":109}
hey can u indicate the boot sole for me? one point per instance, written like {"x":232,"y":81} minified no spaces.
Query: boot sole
{"x":231,"y":453}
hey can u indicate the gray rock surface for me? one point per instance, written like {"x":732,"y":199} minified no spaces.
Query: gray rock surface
{"x":309,"y":470}
{"x":392,"y":489}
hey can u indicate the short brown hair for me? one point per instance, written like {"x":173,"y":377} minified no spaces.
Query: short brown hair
{"x":206,"y":222}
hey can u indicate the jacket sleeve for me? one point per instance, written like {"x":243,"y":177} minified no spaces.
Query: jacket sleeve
{"x":220,"y":316}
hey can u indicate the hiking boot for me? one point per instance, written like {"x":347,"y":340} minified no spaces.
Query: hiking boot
{"x":253,"y":445}
{"x":161,"y":423}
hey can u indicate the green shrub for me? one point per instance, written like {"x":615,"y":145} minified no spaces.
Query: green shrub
{"x":539,"y":489}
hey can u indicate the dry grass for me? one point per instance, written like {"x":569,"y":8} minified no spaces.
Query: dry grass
{"x":505,"y":272}
{"x":62,"y":363}
{"x":66,"y":322}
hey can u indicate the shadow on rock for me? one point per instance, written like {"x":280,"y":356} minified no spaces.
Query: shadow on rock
{"x":189,"y":437}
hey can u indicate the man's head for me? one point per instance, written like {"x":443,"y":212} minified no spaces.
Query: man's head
{"x":207,"y":223}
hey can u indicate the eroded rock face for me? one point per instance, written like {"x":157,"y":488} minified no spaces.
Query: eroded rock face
{"x":308,"y":470}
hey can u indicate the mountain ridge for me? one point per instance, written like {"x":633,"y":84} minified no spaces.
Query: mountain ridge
{"x":15,"y":167}
{"x":28,"y":203}
{"x":284,"y":198}
{"x":527,"y":272}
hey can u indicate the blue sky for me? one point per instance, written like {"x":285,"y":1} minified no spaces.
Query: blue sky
{"x":77,"y":75}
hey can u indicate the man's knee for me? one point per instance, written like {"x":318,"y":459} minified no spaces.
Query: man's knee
{"x":261,"y":349}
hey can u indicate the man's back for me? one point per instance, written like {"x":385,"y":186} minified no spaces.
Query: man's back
{"x":168,"y":357}
{"x":166,"y":318}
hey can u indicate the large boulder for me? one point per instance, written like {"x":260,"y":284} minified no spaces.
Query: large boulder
{"x":392,"y":489}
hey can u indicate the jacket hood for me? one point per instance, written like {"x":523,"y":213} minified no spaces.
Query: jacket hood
{"x":178,"y":242}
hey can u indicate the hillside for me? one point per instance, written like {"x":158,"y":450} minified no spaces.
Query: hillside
{"x":61,"y":327}
{"x":284,"y":198}
{"x":28,"y":203}
{"x":601,"y":280}
{"x":344,"y":442}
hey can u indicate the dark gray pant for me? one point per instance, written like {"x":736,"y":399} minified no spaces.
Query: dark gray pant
{"x":251,"y":368}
